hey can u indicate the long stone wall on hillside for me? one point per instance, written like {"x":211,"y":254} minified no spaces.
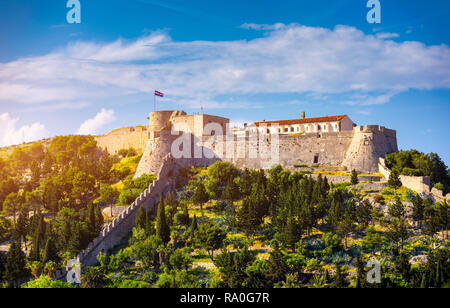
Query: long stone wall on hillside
{"x":420,"y":184}
{"x":124,"y":138}
{"x":114,"y":233}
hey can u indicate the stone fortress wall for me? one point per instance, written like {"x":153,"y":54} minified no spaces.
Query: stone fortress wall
{"x":124,"y":138}
{"x":419,"y":184}
{"x":358,"y":149}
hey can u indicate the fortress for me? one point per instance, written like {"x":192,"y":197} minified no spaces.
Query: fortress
{"x":329,"y":140}
{"x":204,"y":139}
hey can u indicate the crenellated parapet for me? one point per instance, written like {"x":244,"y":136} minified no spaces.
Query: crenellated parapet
{"x":113,"y":233}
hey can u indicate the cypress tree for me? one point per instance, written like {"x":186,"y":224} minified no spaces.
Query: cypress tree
{"x":162,"y":229}
{"x":50,"y":251}
{"x":99,"y":218}
{"x":186,"y":216}
{"x":194,"y":226}
{"x":22,"y":225}
{"x":38,"y":240}
{"x":361,"y":273}
{"x":91,"y":219}
{"x":141,"y":218}
{"x":439,"y":277}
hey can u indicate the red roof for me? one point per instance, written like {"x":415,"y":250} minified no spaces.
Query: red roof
{"x":337,"y":118}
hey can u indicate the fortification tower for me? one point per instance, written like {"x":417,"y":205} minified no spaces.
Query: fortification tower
{"x":368,"y":145}
{"x":162,"y":121}
{"x":159,"y":140}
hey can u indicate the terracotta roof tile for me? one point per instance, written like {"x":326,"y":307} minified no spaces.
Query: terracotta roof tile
{"x":302,"y":121}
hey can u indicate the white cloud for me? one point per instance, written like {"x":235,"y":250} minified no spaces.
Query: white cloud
{"x":386,"y":35}
{"x":10,"y":134}
{"x":285,"y":59}
{"x":92,"y":126}
{"x":265,"y":27}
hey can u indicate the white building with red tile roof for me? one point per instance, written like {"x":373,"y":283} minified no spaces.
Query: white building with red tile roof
{"x":304,"y":125}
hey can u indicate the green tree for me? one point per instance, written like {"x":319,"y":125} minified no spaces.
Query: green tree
{"x":340,"y":277}
{"x":394,"y":181}
{"x":147,"y":251}
{"x":354,"y":178}
{"x":200,"y":196}
{"x":162,"y":229}
{"x":50,"y":251}
{"x":210,"y":237}
{"x":15,"y":264}
{"x":141,"y":218}
{"x":108,"y":196}
{"x":180,"y":259}
{"x":292,"y":233}
{"x":442,"y":216}
{"x":397,"y":209}
{"x":361,"y":273}
{"x":38,"y":240}
{"x":45,"y":282}
{"x":22,"y":226}
{"x":93,"y":278}
{"x":12,"y":204}
{"x":418,"y":210}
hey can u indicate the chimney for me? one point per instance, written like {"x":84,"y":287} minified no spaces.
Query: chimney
{"x":303,"y":115}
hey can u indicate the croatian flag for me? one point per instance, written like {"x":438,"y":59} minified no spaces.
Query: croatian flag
{"x":160,"y":94}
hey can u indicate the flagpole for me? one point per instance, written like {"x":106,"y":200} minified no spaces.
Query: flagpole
{"x":154,"y":102}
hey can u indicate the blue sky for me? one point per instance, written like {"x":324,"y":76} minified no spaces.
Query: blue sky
{"x":247,"y":60}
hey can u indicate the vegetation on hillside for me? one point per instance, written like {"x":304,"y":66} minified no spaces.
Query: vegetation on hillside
{"x":51,"y":197}
{"x":221,"y":227}
{"x":415,"y":163}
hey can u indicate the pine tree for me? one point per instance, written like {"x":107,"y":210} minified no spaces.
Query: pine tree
{"x":418,"y":211}
{"x":394,"y":180}
{"x":354,"y":178}
{"x":200,"y":196}
{"x":162,"y":229}
{"x":292,"y":233}
{"x":15,"y":263}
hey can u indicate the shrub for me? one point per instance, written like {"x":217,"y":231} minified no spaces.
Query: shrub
{"x":378,"y":199}
{"x":412,"y":172}
{"x":439,"y":186}
{"x":45,"y":282}
{"x":127,"y":152}
{"x":128,"y":196}
{"x":410,"y":195}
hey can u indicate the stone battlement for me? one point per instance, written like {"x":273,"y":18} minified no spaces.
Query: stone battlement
{"x":113,"y":233}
